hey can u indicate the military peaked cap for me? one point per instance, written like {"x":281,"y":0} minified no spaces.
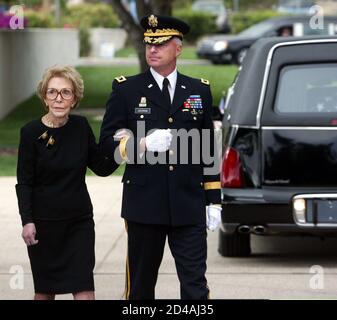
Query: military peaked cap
{"x":159,"y":29}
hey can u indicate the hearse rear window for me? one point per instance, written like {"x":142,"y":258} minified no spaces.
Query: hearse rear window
{"x":310,"y":88}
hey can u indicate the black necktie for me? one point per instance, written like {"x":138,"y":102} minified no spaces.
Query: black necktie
{"x":166,"y":93}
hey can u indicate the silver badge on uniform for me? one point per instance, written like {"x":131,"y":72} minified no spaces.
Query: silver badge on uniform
{"x":142,"y":102}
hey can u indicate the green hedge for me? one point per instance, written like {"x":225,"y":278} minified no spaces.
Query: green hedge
{"x":200,"y":23}
{"x":86,"y":16}
{"x":85,"y":47}
{"x":252,"y":4}
{"x":79,"y":16}
{"x":39,"y":20}
{"x":35,"y":4}
{"x":91,"y":16}
{"x":242,"y":20}
{"x":182,"y":4}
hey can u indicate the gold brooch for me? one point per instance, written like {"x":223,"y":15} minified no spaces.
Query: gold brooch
{"x":51,"y":141}
{"x":153,"y":21}
{"x":43,"y":136}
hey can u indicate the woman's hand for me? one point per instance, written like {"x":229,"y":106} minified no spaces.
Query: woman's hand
{"x":28,"y":234}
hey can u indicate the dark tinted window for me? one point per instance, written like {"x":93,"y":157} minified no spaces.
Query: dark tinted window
{"x":310,"y":88}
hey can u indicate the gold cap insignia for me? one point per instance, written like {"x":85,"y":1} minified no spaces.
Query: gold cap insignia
{"x":153,"y":21}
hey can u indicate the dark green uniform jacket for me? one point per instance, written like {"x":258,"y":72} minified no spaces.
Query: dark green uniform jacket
{"x":172,"y":193}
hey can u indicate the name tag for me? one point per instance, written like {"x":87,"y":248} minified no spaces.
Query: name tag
{"x":142,"y":110}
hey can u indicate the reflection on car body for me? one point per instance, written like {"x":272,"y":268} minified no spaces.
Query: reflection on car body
{"x":233,"y":48}
{"x":279,"y":169}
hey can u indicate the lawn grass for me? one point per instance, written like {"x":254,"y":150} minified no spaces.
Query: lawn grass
{"x":219,"y":76}
{"x":8,"y":165}
{"x":97,"y":81}
{"x":188,"y":53}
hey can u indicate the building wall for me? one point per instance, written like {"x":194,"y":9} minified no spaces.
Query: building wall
{"x":5,"y":74}
{"x":25,"y":54}
{"x":104,"y":42}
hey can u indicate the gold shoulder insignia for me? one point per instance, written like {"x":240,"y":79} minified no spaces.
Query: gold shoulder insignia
{"x":120,"y":79}
{"x":204,"y":81}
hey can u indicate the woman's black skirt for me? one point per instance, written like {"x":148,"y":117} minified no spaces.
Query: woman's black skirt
{"x":64,"y":258}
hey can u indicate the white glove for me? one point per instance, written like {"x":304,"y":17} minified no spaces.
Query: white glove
{"x":122,"y":133}
{"x":159,"y":140}
{"x":213,"y":217}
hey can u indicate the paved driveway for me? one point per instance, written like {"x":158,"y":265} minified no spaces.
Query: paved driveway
{"x":280,"y":267}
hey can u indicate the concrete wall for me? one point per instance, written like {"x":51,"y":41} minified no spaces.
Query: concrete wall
{"x":5,"y":75}
{"x":25,"y":54}
{"x":105,"y":42}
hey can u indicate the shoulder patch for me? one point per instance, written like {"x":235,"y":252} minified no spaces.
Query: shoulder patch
{"x":204,"y":81}
{"x":120,"y":79}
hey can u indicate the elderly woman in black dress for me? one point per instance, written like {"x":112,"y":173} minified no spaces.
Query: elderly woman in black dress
{"x":54,"y":203}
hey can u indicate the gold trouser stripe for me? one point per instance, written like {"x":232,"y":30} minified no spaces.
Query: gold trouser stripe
{"x":212,"y":185}
{"x":127,"y":272}
{"x":122,"y":148}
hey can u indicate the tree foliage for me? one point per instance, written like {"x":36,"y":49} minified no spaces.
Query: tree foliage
{"x":132,"y":27}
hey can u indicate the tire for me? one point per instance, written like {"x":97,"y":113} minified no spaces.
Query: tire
{"x":216,"y":62}
{"x":234,"y":245}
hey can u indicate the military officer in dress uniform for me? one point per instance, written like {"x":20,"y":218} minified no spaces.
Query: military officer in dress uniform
{"x":167,"y":198}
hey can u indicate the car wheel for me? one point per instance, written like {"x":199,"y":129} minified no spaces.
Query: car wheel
{"x":216,"y":62}
{"x":241,"y":55}
{"x":234,"y":245}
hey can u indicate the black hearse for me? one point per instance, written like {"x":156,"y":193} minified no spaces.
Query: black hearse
{"x":279,"y":167}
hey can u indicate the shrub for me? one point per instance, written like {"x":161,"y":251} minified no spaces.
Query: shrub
{"x":242,"y":20}
{"x":86,"y":16}
{"x":92,"y":16}
{"x":251,"y":4}
{"x":39,"y":20}
{"x":84,"y":41}
{"x":200,"y":23}
{"x":181,"y":4}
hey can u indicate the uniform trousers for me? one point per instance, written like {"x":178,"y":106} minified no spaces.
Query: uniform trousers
{"x":188,"y":245}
